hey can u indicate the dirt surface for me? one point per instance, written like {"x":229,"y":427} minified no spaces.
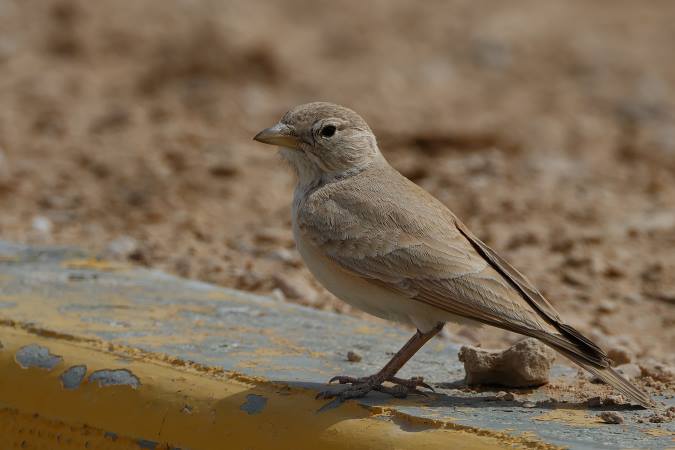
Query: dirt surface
{"x":548,"y":127}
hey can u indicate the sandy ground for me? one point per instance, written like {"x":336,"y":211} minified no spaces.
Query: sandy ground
{"x":548,"y":127}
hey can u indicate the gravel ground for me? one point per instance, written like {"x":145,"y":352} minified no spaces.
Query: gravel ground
{"x":548,"y":127}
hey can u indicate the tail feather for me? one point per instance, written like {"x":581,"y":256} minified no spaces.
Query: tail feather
{"x":583,"y":352}
{"x":614,"y":379}
{"x":608,"y":375}
{"x":574,"y":351}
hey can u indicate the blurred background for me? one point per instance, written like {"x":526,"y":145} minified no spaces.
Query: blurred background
{"x":548,"y":127}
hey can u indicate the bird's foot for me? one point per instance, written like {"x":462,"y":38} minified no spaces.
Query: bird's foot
{"x":361,"y":386}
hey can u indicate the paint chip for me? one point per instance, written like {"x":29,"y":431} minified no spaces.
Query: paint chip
{"x":144,"y":443}
{"x":73,"y":376}
{"x":110,"y":435}
{"x":254,"y":404}
{"x":118,"y":377}
{"x":34,"y":355}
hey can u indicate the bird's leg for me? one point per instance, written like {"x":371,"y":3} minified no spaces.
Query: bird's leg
{"x":361,"y":386}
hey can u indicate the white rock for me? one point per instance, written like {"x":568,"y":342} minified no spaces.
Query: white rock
{"x":611,"y":417}
{"x":630,"y":371}
{"x":121,"y":247}
{"x":296,"y":287}
{"x":278,"y":294}
{"x":607,"y":306}
{"x":42,"y":225}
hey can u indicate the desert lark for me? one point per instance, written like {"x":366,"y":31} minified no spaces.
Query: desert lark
{"x":381,"y":243}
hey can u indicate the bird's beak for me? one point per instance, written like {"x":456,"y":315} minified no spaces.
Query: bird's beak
{"x":280,"y":134}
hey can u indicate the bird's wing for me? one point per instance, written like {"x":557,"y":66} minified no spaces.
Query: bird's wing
{"x":527,"y":290}
{"x":409,"y":242}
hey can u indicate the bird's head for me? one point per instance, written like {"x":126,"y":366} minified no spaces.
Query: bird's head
{"x":323,"y":139}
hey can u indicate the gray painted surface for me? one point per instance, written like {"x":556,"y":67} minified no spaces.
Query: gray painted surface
{"x":254,"y":404}
{"x":72,"y":377}
{"x":259,"y":336}
{"x":116,"y":377}
{"x":34,"y":355}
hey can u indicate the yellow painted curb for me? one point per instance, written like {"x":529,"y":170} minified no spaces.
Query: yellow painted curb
{"x":169,"y":405}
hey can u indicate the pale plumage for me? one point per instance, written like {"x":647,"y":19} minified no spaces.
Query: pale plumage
{"x":380,"y":242}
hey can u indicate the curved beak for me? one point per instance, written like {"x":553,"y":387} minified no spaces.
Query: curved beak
{"x":280,"y":134}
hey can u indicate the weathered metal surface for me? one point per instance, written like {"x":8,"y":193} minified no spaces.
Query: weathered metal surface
{"x":61,"y":295}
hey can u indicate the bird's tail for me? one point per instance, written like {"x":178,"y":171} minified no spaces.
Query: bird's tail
{"x":584,"y":353}
{"x":605,"y":372}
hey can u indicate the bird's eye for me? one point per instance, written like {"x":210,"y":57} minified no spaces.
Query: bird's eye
{"x":328,"y":131}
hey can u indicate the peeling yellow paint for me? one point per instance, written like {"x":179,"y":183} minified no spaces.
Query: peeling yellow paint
{"x":270,"y":352}
{"x":219,"y":295}
{"x":363,"y":329}
{"x":290,"y":345}
{"x":247,"y":364}
{"x":420,"y":423}
{"x":525,"y":434}
{"x":93,"y":264}
{"x":658,"y":432}
{"x":20,"y":430}
{"x":575,"y":417}
{"x":175,"y":398}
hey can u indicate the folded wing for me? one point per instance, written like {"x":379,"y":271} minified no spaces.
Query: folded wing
{"x":410,"y":243}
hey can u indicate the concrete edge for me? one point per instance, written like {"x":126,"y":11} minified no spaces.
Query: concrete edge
{"x":156,"y":401}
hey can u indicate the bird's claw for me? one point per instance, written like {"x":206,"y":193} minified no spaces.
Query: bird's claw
{"x":354,"y":391}
{"x":411,"y":383}
{"x":347,"y":380}
{"x":361,"y":386}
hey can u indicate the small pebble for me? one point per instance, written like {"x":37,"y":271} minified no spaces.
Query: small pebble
{"x":528,"y":405}
{"x":353,"y":357}
{"x":630,"y":371}
{"x":633,"y":298}
{"x":614,"y":400}
{"x":611,"y":417}
{"x":594,"y":402}
{"x":286,"y":256}
{"x":656,"y":418}
{"x":278,"y":294}
{"x":296,"y":287}
{"x":607,"y":306}
{"x":120,"y":247}
{"x":182,"y":266}
{"x":505,"y":396}
{"x":620,"y":354}
{"x":658,"y":371}
{"x":42,"y":225}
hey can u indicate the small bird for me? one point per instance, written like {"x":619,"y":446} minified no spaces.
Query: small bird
{"x":381,"y":243}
